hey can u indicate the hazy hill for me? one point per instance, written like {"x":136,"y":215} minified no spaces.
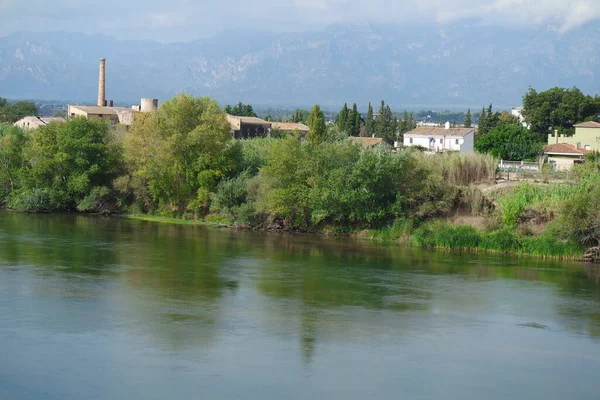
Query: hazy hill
{"x":457,"y":65}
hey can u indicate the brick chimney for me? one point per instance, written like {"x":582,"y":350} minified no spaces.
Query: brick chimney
{"x":102,"y":84}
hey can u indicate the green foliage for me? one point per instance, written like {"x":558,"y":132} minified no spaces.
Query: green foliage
{"x":342,"y":119}
{"x":100,"y":200}
{"x":444,"y":235}
{"x":505,"y":240}
{"x":558,"y":108}
{"x":180,"y":153}
{"x":459,"y":169}
{"x":316,"y":123}
{"x":12,"y":112}
{"x":468,"y":121}
{"x":231,"y":192}
{"x":12,"y":143}
{"x":510,"y":142}
{"x":386,"y":124}
{"x":241,"y":110}
{"x":513,"y":204}
{"x":299,"y":116}
{"x":65,"y":161}
{"x":488,"y":120}
{"x":370,"y":122}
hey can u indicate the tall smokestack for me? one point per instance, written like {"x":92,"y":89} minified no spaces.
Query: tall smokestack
{"x":102,"y":83}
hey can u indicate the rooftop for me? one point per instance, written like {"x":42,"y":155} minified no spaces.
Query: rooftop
{"x":429,"y":131}
{"x":565,"y":149}
{"x":248,"y":120}
{"x":101,"y":110}
{"x":366,"y":141}
{"x":588,"y":124}
{"x":289,"y":126}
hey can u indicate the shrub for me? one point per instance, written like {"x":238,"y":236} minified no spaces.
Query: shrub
{"x":504,"y":239}
{"x":32,"y":200}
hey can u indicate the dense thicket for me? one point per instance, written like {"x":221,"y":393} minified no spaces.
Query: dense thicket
{"x":12,"y":112}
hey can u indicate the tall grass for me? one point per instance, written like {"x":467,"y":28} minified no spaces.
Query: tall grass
{"x":460,"y":169}
{"x":446,"y":236}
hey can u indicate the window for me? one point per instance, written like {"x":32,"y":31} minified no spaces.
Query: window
{"x":456,"y":141}
{"x":411,"y":141}
{"x":587,"y":147}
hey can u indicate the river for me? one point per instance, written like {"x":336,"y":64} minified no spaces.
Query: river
{"x":108,"y":308}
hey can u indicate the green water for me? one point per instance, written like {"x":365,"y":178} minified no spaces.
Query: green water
{"x":101,"y":308}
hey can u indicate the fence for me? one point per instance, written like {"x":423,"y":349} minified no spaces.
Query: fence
{"x":518,"y":166}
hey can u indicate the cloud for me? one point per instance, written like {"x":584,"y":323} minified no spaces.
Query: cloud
{"x":182,"y":20}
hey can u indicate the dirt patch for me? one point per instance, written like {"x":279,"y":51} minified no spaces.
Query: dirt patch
{"x":475,"y":222}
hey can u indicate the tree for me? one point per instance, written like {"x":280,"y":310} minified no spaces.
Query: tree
{"x":342,"y":119}
{"x":384,"y":124}
{"x":299,"y":116}
{"x":12,"y":142}
{"x":178,"y":155}
{"x":316,"y":124}
{"x":468,"y":119}
{"x":12,"y":112}
{"x":65,"y":163}
{"x":370,"y":122}
{"x":241,"y":110}
{"x":488,"y":120}
{"x":510,"y":142}
{"x":354,"y":121}
{"x":559,"y":109}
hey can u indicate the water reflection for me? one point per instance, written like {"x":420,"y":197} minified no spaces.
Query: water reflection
{"x":185,"y":287}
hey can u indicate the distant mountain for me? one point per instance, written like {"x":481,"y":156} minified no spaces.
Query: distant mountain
{"x":444,"y":66}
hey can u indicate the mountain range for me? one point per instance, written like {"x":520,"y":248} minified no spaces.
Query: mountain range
{"x":452,"y":66}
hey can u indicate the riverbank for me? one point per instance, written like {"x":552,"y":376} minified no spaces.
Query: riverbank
{"x":440,"y":235}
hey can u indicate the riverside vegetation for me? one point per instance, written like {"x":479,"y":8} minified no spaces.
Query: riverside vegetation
{"x":180,"y":162}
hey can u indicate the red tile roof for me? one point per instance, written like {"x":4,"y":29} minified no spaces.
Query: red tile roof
{"x":366,"y":141}
{"x":589,"y":124}
{"x":565,"y":148}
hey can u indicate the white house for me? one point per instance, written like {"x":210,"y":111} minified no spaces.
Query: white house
{"x":441,"y":138}
{"x":36,"y":122}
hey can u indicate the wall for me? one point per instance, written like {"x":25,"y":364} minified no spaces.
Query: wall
{"x":585,"y":136}
{"x":448,"y":143}
{"x":468,"y":145}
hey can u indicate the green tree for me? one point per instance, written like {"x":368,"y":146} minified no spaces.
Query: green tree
{"x":12,"y":112}
{"x":354,"y":121}
{"x":12,"y":143}
{"x":241,"y":110}
{"x":384,"y":124}
{"x":66,"y":162}
{"x":342,"y":119}
{"x":488,"y":120}
{"x":370,"y":122}
{"x":558,"y":108}
{"x":510,"y":142}
{"x":316,"y":123}
{"x":177,"y":156}
{"x":299,"y":116}
{"x":468,"y":122}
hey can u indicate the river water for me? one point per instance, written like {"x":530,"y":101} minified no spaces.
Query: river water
{"x":102,"y":308}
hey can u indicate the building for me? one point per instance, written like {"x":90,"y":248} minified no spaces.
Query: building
{"x":114,"y":115}
{"x":366,"y":142}
{"x":291,"y":127}
{"x":248,"y":127}
{"x":441,"y":138}
{"x":105,"y":111}
{"x":586,"y":137}
{"x":36,"y":122}
{"x":564,"y":155}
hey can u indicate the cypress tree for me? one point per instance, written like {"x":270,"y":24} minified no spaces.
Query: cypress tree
{"x":316,"y":125}
{"x":354,"y":121}
{"x":370,"y":122}
{"x":342,"y":119}
{"x":468,"y":119}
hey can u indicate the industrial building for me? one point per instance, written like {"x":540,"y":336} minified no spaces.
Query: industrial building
{"x":105,"y":110}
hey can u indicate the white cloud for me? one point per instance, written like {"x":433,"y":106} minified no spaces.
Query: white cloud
{"x":189,"y":19}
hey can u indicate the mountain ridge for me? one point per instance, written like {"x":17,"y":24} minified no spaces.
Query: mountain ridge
{"x":458,"y":65}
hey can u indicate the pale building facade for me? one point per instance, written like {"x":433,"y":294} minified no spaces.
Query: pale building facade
{"x":586,"y":137}
{"x":36,"y":122}
{"x":441,"y":139}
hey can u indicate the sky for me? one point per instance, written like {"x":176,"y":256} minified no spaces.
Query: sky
{"x":186,"y":20}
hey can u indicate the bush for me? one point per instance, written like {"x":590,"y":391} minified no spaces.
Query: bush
{"x":32,"y":200}
{"x":231,"y":192}
{"x":504,"y":239}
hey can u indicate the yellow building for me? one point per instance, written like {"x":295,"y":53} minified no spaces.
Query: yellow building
{"x":586,"y":137}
